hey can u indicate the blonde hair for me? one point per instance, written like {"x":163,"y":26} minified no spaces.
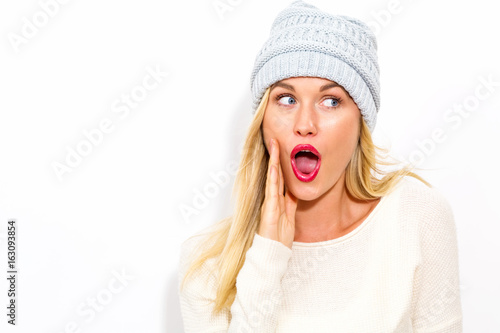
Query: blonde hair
{"x":230,"y":239}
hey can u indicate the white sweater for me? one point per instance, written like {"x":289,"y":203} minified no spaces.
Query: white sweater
{"x":396,"y":272}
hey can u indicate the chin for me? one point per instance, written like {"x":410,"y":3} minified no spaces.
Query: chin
{"x":306,"y":191}
{"x":310,"y":191}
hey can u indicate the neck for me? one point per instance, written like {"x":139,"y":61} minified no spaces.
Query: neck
{"x":330,"y":216}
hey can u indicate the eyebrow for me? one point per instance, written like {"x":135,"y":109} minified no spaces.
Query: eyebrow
{"x":283,"y":85}
{"x":328,"y":86}
{"x":290,"y":87}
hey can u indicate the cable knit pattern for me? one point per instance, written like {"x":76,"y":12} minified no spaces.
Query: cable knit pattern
{"x":396,"y":272}
{"x":305,"y":41}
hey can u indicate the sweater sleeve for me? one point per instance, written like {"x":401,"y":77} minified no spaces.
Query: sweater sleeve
{"x":437,"y":304}
{"x":258,"y":285}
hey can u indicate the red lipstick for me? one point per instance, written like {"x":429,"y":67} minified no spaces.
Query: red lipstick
{"x":306,"y":161}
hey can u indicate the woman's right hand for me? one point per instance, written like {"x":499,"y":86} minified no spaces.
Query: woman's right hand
{"x":277,"y":218}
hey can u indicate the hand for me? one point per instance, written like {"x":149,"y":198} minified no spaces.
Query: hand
{"x":277,"y":218}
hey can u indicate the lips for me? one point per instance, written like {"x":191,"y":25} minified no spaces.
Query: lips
{"x":306,"y":161}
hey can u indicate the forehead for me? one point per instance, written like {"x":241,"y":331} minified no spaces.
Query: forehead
{"x":308,"y":83}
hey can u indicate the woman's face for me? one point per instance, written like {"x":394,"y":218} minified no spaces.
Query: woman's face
{"x":316,"y":125}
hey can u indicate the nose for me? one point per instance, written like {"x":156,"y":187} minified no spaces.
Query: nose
{"x":305,"y":121}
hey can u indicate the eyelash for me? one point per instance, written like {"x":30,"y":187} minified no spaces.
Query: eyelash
{"x":339,"y":100}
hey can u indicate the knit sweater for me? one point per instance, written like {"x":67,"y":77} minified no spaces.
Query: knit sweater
{"x":396,"y":272}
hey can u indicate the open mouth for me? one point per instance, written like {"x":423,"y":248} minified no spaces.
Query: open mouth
{"x":306,"y":161}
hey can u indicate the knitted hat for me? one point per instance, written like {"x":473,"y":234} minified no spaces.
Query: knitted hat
{"x":305,"y":41}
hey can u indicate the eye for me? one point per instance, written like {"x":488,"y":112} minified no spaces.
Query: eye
{"x":332,"y":102}
{"x":286,"y":100}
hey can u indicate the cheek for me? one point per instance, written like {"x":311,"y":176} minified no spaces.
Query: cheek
{"x":343,"y":139}
{"x":273,"y":128}
{"x":267,"y":135}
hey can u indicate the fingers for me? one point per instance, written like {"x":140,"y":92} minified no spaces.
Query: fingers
{"x":274,"y":178}
{"x":281,"y":181}
{"x":290,"y":206}
{"x":273,"y":173}
{"x":270,"y":208}
{"x":269,"y":171}
{"x":278,"y":209}
{"x":274,"y":155}
{"x":274,"y":161}
{"x":281,"y":188}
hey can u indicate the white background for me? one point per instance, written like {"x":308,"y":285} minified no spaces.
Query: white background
{"x":119,"y":210}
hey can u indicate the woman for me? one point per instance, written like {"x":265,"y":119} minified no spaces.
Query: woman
{"x":321,"y":239}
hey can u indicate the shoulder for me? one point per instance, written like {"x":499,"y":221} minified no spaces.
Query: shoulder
{"x":417,"y":198}
{"x":423,"y":209}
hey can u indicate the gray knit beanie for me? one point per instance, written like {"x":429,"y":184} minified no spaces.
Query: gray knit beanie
{"x":305,"y":41}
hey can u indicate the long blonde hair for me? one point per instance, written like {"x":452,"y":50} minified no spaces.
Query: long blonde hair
{"x":230,"y":238}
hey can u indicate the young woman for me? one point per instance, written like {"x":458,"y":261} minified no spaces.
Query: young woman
{"x":321,"y":239}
